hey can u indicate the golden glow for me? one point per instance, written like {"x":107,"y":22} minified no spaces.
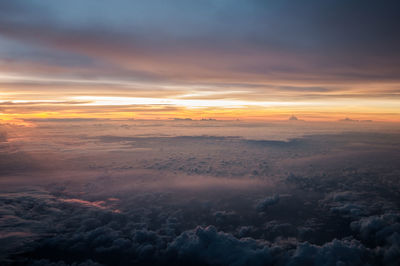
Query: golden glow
{"x":29,"y":97}
{"x":162,"y":108}
{"x":99,"y":101}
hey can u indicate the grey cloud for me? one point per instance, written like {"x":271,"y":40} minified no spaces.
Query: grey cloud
{"x":377,"y":229}
{"x":383,"y":233}
{"x":267,"y":202}
{"x":334,"y":253}
{"x":315,"y":42}
{"x":206,"y":245}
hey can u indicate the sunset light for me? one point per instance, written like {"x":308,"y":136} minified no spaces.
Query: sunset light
{"x":199,"y":132}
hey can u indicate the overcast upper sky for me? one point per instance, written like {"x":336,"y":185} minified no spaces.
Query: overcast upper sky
{"x":221,"y":58}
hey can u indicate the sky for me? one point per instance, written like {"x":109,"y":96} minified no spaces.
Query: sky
{"x":222,"y":59}
{"x":199,"y":132}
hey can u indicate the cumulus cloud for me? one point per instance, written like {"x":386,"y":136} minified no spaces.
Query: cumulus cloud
{"x":347,"y":252}
{"x":263,"y":204}
{"x":84,"y":231}
{"x":206,"y":245}
{"x":275,"y":229}
{"x":377,"y":229}
{"x":383,"y":233}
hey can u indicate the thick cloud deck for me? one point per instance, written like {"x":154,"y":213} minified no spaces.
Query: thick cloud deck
{"x":118,"y":198}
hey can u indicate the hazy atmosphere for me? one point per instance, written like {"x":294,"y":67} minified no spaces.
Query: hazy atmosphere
{"x":207,"y":132}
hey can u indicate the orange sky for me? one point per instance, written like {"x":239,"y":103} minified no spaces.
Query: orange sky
{"x":30,"y":97}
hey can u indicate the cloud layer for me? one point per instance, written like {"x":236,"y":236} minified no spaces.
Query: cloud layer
{"x":99,"y":192}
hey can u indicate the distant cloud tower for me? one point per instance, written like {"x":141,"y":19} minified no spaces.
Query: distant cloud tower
{"x":348,"y":120}
{"x":293,"y":118}
{"x":354,"y":120}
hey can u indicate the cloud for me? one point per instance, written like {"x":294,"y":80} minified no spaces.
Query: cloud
{"x":223,"y":217}
{"x":3,"y":136}
{"x":265,"y":203}
{"x":206,"y":245}
{"x":348,"y":120}
{"x":377,"y":229}
{"x":168,"y":216}
{"x":381,"y":232}
{"x":282,"y":230}
{"x":44,"y":262}
{"x":334,"y":253}
{"x":151,"y":230}
{"x":12,"y":162}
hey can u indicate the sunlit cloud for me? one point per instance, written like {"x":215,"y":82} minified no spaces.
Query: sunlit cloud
{"x":101,"y":101}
